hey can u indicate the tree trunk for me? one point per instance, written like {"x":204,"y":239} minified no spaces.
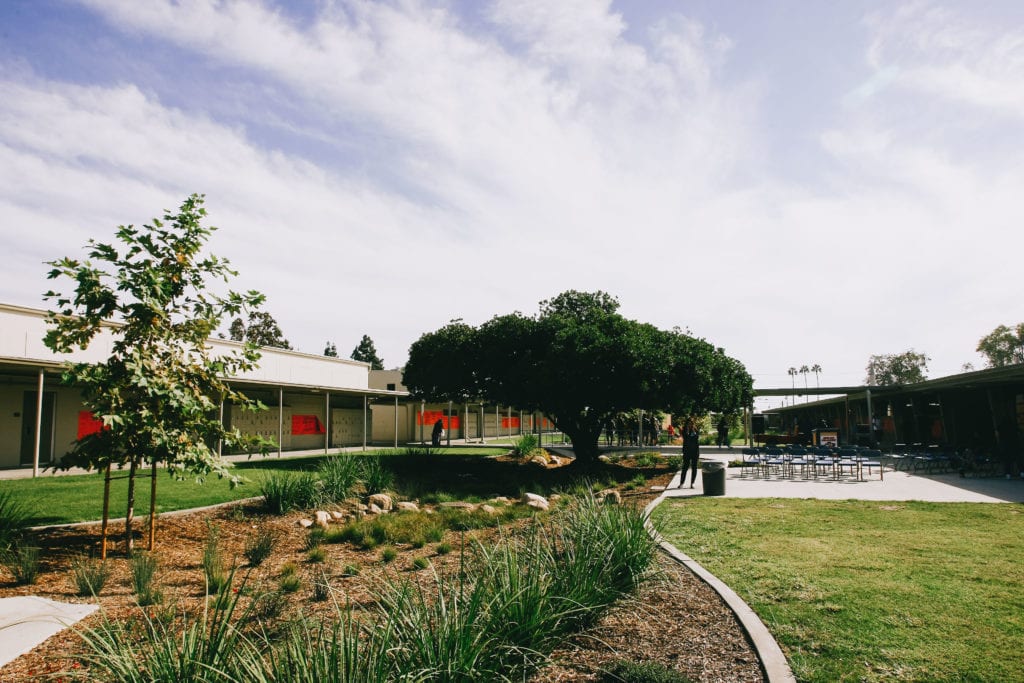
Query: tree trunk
{"x":585,"y":438}
{"x":130,"y":513}
{"x":152,"y":508}
{"x":106,"y":513}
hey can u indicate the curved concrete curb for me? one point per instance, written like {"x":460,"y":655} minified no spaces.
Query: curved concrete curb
{"x":773,"y":662}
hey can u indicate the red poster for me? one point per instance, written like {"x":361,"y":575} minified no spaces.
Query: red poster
{"x":510,"y":423}
{"x":429,"y":417}
{"x":306,"y":424}
{"x":87,"y":424}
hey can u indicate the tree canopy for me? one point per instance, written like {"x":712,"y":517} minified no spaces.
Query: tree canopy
{"x":366,"y":352}
{"x":579,"y":362}
{"x":1003,"y":346}
{"x":261,"y":330}
{"x":158,"y":393}
{"x":330,"y":350}
{"x":908,"y":367}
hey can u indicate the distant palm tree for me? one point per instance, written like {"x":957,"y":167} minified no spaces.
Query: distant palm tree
{"x":792,"y":379}
{"x":816,"y":369}
{"x":803,"y":371}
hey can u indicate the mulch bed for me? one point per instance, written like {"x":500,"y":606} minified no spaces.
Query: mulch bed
{"x":674,"y":618}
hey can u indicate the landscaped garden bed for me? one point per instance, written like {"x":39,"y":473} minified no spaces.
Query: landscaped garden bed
{"x":319,"y":573}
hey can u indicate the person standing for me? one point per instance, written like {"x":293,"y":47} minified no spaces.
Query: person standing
{"x":723,"y":432}
{"x":437,"y":433}
{"x":691,"y":452}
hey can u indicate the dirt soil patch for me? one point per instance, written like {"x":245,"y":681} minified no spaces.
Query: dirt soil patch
{"x":674,"y":618}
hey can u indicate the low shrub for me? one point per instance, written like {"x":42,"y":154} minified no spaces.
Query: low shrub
{"x":316,"y":555}
{"x":90,"y":574}
{"x":388,"y":554}
{"x":443,"y":548}
{"x":420,"y":563}
{"x":524,"y":445}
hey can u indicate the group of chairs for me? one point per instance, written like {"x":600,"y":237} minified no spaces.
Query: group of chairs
{"x":812,"y":462}
{"x":933,"y":458}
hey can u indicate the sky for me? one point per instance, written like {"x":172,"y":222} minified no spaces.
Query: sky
{"x":799,"y":183}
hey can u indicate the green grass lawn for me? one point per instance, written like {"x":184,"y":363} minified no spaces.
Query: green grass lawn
{"x":869,"y":591}
{"x":79,"y":498}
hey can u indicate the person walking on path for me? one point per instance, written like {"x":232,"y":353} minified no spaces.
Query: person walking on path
{"x":723,"y":432}
{"x":691,"y":452}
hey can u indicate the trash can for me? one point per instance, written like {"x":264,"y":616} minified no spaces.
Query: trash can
{"x":712,"y":476}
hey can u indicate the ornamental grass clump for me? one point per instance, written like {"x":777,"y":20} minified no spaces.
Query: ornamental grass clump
{"x":375,"y":475}
{"x":144,"y":567}
{"x":90,"y":574}
{"x":258,"y":547}
{"x":211,"y":647}
{"x":22,"y":561}
{"x":339,"y":476}
{"x":215,"y":568}
{"x":284,"y":491}
{"x":14,"y":517}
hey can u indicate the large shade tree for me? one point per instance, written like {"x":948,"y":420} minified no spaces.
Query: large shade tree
{"x":158,"y":393}
{"x":579,"y":362}
{"x":908,"y":367}
{"x":1003,"y":346}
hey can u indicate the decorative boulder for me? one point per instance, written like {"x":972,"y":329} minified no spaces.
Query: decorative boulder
{"x":383,"y":501}
{"x":373,"y":509}
{"x":305,"y":523}
{"x":489,"y":509}
{"x":537,"y":502}
{"x":337,"y":516}
{"x":408,"y":506}
{"x":539,"y":460}
{"x":610,"y":497}
{"x":323,"y":519}
{"x":604,"y":458}
{"x":458,"y":504}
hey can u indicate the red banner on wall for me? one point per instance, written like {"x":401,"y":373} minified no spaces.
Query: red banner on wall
{"x":306,"y":424}
{"x":429,"y":417}
{"x":88,"y":424}
{"x":510,"y":423}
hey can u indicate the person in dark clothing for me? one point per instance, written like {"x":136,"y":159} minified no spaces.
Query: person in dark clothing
{"x":723,"y":432}
{"x":691,"y":452}
{"x":437,"y":433}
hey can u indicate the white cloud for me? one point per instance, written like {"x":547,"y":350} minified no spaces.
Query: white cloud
{"x":542,"y":151}
{"x":943,"y":53}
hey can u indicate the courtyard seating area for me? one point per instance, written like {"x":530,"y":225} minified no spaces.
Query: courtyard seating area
{"x":794,"y":461}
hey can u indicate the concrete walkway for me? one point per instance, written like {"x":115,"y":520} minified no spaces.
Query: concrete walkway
{"x":901,"y":486}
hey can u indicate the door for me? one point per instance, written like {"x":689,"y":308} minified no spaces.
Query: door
{"x":28,"y":427}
